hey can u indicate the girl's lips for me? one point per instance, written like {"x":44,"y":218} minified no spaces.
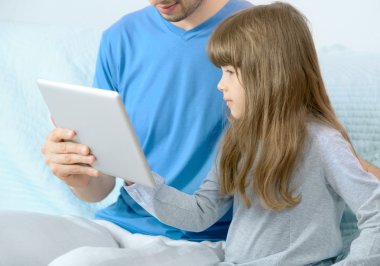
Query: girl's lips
{"x":167,"y":9}
{"x":228,"y":101}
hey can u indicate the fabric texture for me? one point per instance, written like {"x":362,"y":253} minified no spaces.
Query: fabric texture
{"x":34,"y":239}
{"x":327,"y":176}
{"x":138,"y":249}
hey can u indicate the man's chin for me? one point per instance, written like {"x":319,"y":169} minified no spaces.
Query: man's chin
{"x":173,"y":18}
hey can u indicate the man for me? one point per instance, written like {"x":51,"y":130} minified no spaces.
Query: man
{"x":156,"y":59}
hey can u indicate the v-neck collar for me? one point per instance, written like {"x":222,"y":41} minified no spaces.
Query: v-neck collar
{"x":189,"y":34}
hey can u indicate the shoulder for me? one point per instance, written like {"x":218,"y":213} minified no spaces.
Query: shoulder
{"x":327,"y":141}
{"x":319,"y":132}
{"x":242,"y":4}
{"x":130,"y":22}
{"x":234,"y":6}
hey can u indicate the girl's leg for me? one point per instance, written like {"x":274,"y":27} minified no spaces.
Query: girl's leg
{"x":36,"y":239}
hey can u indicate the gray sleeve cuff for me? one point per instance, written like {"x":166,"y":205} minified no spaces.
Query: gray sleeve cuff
{"x":144,"y":195}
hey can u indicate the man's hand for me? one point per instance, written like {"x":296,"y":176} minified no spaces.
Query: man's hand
{"x":67,"y":160}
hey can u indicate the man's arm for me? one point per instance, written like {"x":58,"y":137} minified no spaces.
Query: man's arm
{"x":370,"y":168}
{"x":97,"y":189}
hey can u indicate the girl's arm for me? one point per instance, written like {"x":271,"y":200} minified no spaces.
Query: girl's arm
{"x":193,"y":213}
{"x":361,"y":191}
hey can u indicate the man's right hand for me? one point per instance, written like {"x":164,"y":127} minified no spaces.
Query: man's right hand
{"x":67,"y":160}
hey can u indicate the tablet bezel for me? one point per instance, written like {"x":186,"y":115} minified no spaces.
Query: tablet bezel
{"x":101,"y":122}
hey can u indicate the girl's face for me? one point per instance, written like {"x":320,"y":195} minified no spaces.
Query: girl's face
{"x":233,"y":91}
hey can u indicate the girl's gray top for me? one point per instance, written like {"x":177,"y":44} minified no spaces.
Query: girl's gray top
{"x":327,"y":176}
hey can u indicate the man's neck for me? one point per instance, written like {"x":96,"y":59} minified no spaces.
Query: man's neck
{"x":205,"y":10}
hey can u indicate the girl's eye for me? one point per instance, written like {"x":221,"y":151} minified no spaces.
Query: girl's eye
{"x":230,"y":72}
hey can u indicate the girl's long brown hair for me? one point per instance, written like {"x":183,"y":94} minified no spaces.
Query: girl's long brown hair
{"x":273,"y":49}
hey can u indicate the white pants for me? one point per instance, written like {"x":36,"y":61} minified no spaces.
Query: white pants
{"x":39,"y":239}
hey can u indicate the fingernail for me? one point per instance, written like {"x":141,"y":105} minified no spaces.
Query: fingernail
{"x":84,"y":150}
{"x":69,"y":134}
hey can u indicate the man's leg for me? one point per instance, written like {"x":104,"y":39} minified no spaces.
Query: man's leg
{"x":36,"y":239}
{"x":137,"y":250}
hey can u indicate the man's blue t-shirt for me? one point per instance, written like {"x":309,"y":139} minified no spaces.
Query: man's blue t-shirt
{"x":168,"y":86}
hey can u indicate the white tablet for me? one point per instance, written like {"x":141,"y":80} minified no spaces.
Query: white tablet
{"x":101,"y":123}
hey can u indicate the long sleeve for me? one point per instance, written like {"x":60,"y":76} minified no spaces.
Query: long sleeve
{"x":193,"y":213}
{"x":361,"y":192}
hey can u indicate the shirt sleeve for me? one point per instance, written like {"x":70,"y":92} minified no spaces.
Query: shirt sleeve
{"x":361,"y":192}
{"x":193,"y":213}
{"x":105,"y":72}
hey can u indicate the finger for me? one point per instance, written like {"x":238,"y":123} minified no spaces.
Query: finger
{"x":60,"y":134}
{"x":63,"y":171}
{"x":65,"y":148}
{"x":68,"y":159}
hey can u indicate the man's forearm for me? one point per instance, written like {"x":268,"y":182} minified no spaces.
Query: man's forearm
{"x":370,"y":168}
{"x":374,"y":170}
{"x":98,"y":189}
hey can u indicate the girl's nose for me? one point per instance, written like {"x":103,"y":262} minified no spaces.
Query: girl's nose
{"x":220,"y":87}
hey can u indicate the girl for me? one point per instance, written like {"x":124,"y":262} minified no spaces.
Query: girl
{"x":286,"y":164}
